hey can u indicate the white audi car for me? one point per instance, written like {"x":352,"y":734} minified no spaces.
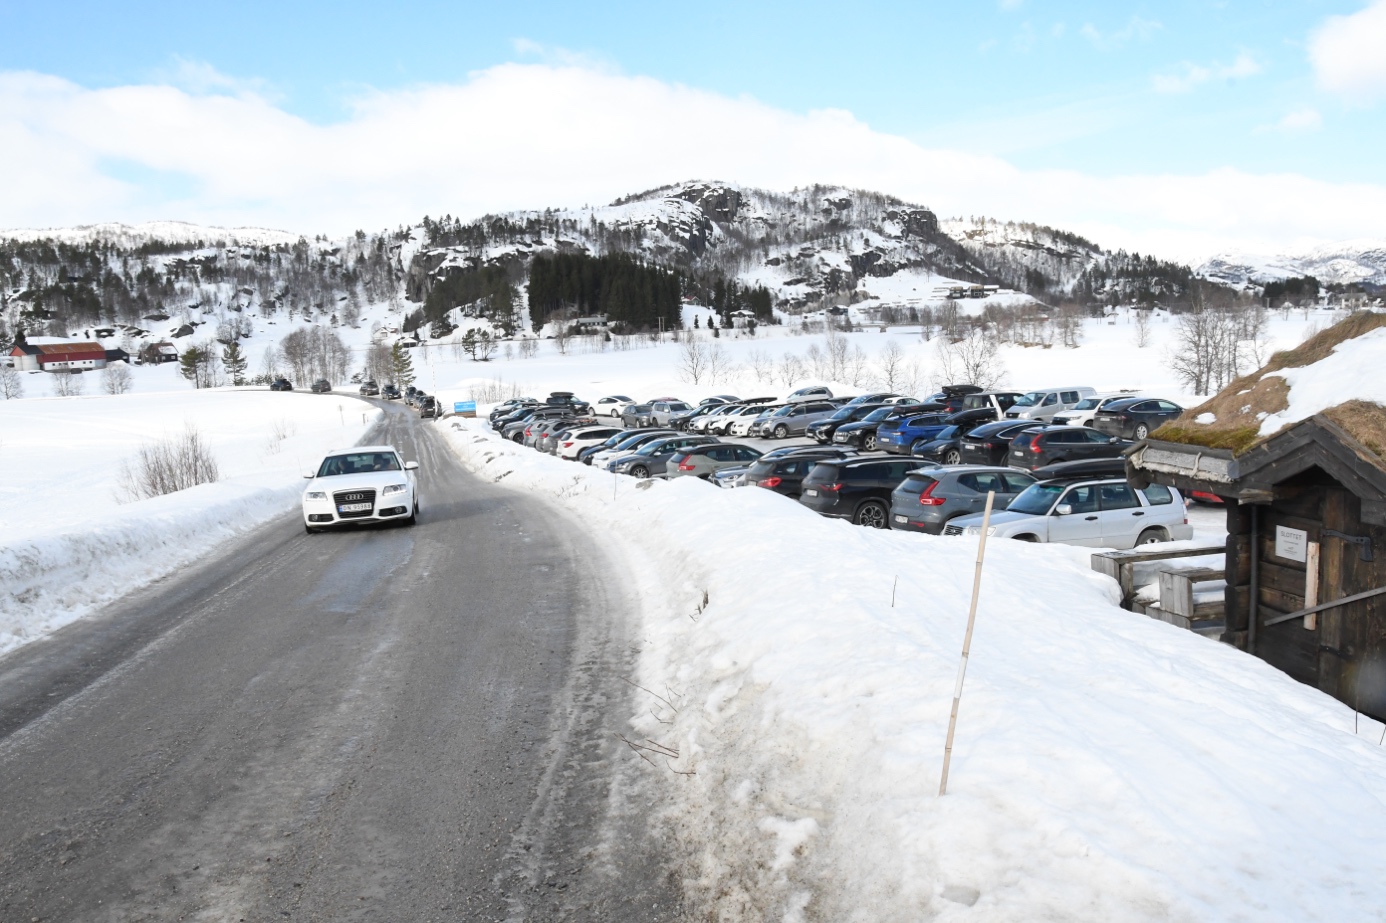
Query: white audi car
{"x":366,"y":484}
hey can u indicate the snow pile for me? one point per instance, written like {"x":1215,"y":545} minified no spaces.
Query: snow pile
{"x":1351,"y":371}
{"x":1108,"y":767}
{"x":69,"y":545}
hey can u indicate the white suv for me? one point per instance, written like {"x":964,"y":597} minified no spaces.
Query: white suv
{"x":1083,"y":412}
{"x":1102,"y":512}
{"x":367,"y":484}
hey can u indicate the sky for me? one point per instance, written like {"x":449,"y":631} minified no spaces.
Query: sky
{"x":1176,"y":128}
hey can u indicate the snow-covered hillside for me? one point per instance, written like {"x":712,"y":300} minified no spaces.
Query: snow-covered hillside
{"x":1345,"y":263}
{"x":163,"y":232}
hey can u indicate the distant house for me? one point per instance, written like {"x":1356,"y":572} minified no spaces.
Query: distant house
{"x":156,"y":353}
{"x":46,"y":354}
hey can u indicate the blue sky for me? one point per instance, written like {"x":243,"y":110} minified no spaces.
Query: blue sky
{"x":1104,"y":90}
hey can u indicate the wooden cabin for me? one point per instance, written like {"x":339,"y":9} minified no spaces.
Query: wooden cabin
{"x":1306,"y":524}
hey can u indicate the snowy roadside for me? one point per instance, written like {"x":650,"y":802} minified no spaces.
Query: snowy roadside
{"x":67,"y":543}
{"x":1108,"y":766}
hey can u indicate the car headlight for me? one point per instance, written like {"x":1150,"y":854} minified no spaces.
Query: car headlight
{"x":394,"y":489}
{"x":315,"y":495}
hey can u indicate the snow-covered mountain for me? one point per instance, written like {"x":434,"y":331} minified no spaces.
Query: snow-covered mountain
{"x":1346,"y":263}
{"x":164,"y":232}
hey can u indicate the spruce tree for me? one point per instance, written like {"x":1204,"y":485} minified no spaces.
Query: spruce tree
{"x":235,"y":362}
{"x":401,"y":366}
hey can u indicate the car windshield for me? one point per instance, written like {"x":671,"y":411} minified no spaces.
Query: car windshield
{"x":1029,"y":400}
{"x":948,"y":432}
{"x":358,"y":463}
{"x":1037,"y":499}
{"x":652,"y":447}
{"x":1087,"y":403}
{"x":876,"y":416}
{"x":844,"y":414}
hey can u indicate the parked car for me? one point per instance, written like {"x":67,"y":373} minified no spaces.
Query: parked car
{"x":649,"y":460}
{"x":628,"y":446}
{"x":703,"y":461}
{"x":430,"y":408}
{"x":795,"y":419}
{"x":369,"y":389}
{"x":1136,"y":417}
{"x":990,"y":443}
{"x":569,"y":442}
{"x":281,"y":384}
{"x":953,"y":397}
{"x":945,"y":448}
{"x":368,"y":484}
{"x":586,"y":453}
{"x":389,"y":392}
{"x":744,"y":423}
{"x":566,"y":399}
{"x":504,"y":407}
{"x":858,"y":489}
{"x":1042,"y":405}
{"x":1102,"y":512}
{"x":874,"y":397}
{"x":900,"y":436}
{"x":812,"y":393}
{"x":783,"y":471}
{"x":702,"y":422}
{"x":662,"y":412}
{"x":1085,"y":411}
{"x":929,"y":498}
{"x":632,"y":414}
{"x":540,"y":430}
{"x":610,"y":406}
{"x":1034,"y":449}
{"x":719,"y":399}
{"x":410,"y":393}
{"x":515,"y":430}
{"x":822,"y":431}
{"x":998,"y":401}
{"x":862,"y":433}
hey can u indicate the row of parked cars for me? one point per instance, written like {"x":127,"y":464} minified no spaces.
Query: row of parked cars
{"x":1048,"y":486}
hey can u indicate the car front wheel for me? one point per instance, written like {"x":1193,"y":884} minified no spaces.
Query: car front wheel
{"x":781,"y":431}
{"x":640,"y":471}
{"x":952,"y":457}
{"x":872,"y":514}
{"x":869,"y":442}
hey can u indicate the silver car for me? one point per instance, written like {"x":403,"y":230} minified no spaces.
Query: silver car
{"x":703,"y":461}
{"x":794,"y":419}
{"x":1101,"y":512}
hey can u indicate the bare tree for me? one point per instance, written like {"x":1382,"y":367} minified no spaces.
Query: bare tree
{"x":973,"y":359}
{"x":856,"y":367}
{"x":11,"y":383}
{"x":1143,"y":332}
{"x":529,"y":348}
{"x":719,"y":364}
{"x":379,"y":362}
{"x":762,"y":366}
{"x":67,"y":384}
{"x":693,"y":360}
{"x":116,"y":378}
{"x":790,"y":369}
{"x":1070,"y":325}
{"x":169,"y":465}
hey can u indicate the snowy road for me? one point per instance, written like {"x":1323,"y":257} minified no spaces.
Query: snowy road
{"x":406,"y":724}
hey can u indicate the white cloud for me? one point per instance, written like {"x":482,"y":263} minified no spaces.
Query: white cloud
{"x":1136,"y":28}
{"x":534,"y":135}
{"x":1189,"y":75}
{"x":1348,"y":53}
{"x":1301,"y":120}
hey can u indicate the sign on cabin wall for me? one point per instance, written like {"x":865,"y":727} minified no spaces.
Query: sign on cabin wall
{"x":1291,"y":544}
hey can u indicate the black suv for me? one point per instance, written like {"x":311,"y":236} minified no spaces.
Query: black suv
{"x":858,"y":489}
{"x":990,"y":443}
{"x":390,"y":393}
{"x":1135,"y":417}
{"x":1053,"y":444}
{"x":281,"y":384}
{"x":429,"y":407}
{"x":783,"y":471}
{"x":566,"y":399}
{"x":822,"y":431}
{"x":370,"y":389}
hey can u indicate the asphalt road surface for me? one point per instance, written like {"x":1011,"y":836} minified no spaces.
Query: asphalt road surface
{"x":406,"y":724}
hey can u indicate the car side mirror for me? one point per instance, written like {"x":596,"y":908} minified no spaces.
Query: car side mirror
{"x":1063,"y":509}
{"x":1113,"y":438}
{"x":309,"y":475}
{"x":411,"y":466}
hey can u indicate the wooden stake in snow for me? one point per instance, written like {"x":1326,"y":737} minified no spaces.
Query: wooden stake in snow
{"x":967,"y":645}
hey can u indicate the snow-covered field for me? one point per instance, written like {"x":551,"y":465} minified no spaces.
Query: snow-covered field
{"x":68,"y":543}
{"x":1108,"y":767}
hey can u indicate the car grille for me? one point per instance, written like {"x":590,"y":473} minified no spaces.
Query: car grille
{"x":355,"y":496}
{"x":952,"y":529}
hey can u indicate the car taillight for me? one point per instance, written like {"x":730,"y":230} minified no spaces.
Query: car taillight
{"x":685,"y":466}
{"x":1035,"y":446}
{"x":528,"y":433}
{"x":992,"y":445}
{"x":926,"y":500}
{"x":771,"y":482}
{"x":832,"y":487}
{"x":567,"y":445}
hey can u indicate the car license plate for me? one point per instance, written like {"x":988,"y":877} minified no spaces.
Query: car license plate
{"x":811,"y":492}
{"x":1018,"y":454}
{"x":353,"y":507}
{"x":902,"y":519}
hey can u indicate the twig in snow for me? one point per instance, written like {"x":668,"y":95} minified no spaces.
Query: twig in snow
{"x":655,"y":694}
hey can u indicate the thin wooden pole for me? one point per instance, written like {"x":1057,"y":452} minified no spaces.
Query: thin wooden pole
{"x":967,"y":645}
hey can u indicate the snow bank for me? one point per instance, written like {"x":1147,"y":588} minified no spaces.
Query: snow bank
{"x":1352,"y":370}
{"x":67,"y":543}
{"x":1108,"y":767}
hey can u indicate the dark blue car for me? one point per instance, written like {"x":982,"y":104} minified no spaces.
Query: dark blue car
{"x":900,"y":436}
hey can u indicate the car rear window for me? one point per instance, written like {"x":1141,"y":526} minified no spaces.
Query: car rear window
{"x":1158,"y":495}
{"x":917,"y":482}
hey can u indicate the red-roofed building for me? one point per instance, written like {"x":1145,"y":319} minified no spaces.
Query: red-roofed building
{"x":58,"y":355}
